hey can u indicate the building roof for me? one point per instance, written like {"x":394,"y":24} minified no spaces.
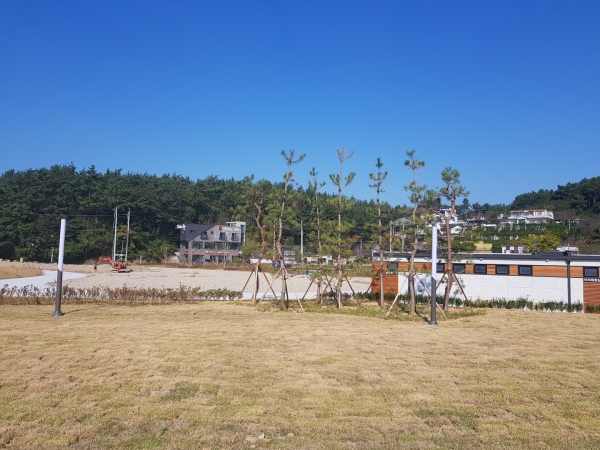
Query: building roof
{"x":527,"y":210}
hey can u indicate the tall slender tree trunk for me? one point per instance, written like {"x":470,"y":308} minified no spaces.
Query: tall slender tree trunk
{"x":339,"y":258}
{"x":381,"y":290}
{"x":381,"y":293}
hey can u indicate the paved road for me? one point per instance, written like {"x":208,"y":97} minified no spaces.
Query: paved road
{"x":41,"y":281}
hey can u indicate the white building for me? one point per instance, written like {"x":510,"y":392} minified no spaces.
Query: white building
{"x":544,"y":277}
{"x":513,"y":248}
{"x":527,"y":216}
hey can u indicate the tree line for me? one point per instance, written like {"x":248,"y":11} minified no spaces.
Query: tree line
{"x":33,"y":201}
{"x":582,"y":197}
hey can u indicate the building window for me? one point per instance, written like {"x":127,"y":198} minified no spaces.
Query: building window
{"x":441,"y":268}
{"x":234,"y":237}
{"x":501,"y":270}
{"x":525,"y":271}
{"x":590,"y":272}
{"x":480,"y":269}
{"x":458,"y":268}
{"x":204,"y":235}
{"x":222,"y":236}
{"x":192,"y":231}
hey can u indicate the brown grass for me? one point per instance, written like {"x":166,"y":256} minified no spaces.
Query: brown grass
{"x":210,"y":375}
{"x":18,"y":271}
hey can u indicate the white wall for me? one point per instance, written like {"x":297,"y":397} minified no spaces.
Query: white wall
{"x":488,"y":287}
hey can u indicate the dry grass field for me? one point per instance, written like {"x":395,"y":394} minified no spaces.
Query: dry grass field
{"x":219,"y":375}
{"x":18,"y":271}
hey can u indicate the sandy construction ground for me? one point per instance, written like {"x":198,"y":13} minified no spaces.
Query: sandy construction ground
{"x":174,"y":278}
{"x":161,"y":277}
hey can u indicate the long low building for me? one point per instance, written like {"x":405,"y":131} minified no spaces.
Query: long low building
{"x":547,"y":276}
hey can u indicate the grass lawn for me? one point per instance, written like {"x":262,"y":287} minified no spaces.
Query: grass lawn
{"x":219,"y":375}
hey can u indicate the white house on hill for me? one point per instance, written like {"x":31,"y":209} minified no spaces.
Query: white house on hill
{"x":527,"y":216}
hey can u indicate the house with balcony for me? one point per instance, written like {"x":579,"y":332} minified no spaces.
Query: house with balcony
{"x":527,"y":216}
{"x":211,"y":243}
{"x":456,"y":224}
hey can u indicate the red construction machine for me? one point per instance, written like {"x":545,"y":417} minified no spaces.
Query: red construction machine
{"x":119,"y":266}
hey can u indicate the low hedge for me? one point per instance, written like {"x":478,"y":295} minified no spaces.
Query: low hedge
{"x":457,"y":302}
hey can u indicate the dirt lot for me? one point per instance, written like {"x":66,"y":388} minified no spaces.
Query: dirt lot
{"x":174,"y":278}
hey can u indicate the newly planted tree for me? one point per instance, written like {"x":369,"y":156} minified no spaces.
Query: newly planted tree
{"x":341,"y":182}
{"x":288,"y":178}
{"x":256,"y":196}
{"x":450,"y":191}
{"x":314,"y":185}
{"x":378,"y":180}
{"x":417,"y":193}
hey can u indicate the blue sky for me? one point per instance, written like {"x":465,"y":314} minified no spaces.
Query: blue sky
{"x":506,"y":92}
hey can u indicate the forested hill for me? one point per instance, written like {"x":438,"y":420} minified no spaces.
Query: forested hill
{"x":582,"y":198}
{"x":33,"y":201}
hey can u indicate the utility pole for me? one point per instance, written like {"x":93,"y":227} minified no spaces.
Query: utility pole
{"x":114,"y":255}
{"x":127,"y":244}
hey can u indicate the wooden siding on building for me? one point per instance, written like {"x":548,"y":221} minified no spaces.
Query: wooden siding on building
{"x":390,"y":284}
{"x":550,"y":271}
{"x":376,"y":266}
{"x":513,"y":270}
{"x":591,"y":293}
{"x":576,"y":272}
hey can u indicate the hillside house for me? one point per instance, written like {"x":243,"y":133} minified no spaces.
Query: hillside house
{"x":527,"y":216}
{"x":456,"y":224}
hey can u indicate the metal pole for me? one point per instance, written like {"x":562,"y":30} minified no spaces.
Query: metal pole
{"x":127,"y":244}
{"x":569,"y":284}
{"x":114,"y":255}
{"x":59,"y":272}
{"x":433,"y":320}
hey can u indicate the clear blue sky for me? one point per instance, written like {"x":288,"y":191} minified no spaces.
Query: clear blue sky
{"x":507,"y":92}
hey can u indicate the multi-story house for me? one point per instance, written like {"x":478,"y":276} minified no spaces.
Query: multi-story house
{"x":456,"y":224}
{"x":527,"y":216}
{"x":211,"y":243}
